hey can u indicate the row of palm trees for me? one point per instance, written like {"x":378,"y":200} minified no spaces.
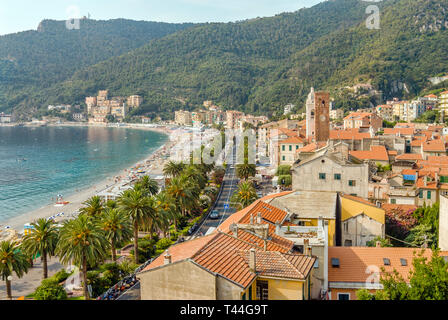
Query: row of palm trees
{"x":102,"y":227}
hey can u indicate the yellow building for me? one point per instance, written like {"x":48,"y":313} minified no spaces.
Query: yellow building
{"x":361,"y":221}
{"x":222,"y":266}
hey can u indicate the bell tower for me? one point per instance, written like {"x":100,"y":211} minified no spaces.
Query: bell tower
{"x":318,"y":116}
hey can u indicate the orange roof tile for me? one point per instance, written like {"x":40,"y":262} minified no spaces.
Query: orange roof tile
{"x":293,"y":140}
{"x":350,"y":134}
{"x":409,"y":156}
{"x":399,"y":131}
{"x":312,"y":147}
{"x":182,"y":251}
{"x":409,"y":172}
{"x":354,"y":262}
{"x":358,"y":115}
{"x":359,"y":199}
{"x":375,"y":153}
{"x":429,"y":185}
{"x":434,"y":146}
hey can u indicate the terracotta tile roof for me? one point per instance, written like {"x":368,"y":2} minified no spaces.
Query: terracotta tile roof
{"x":358,"y":115}
{"x":409,"y":156}
{"x":236,"y":217}
{"x":275,"y":243}
{"x":409,"y":172}
{"x":312,"y":147}
{"x":431,"y":96}
{"x":350,"y":134}
{"x":354,"y":262}
{"x":399,"y":131}
{"x":182,"y":251}
{"x":276,"y":264}
{"x":418,"y":141}
{"x":359,"y":199}
{"x":429,"y":185}
{"x":434,"y":146}
{"x":225,"y":255}
{"x":438,"y":159}
{"x":222,"y":257}
{"x":392,"y":152}
{"x":279,"y":131}
{"x":292,"y":140}
{"x":375,"y":153}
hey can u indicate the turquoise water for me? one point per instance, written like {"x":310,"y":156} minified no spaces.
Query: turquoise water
{"x":37,"y":164}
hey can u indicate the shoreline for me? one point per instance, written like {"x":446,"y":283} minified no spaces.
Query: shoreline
{"x":152,"y":159}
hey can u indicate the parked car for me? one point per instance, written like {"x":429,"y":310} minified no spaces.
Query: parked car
{"x":214,"y":214}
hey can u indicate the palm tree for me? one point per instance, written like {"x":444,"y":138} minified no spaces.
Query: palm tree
{"x":92,"y":207}
{"x":118,"y":228}
{"x":244,"y":171}
{"x":166,"y":211}
{"x":244,"y":196}
{"x":185,"y":192}
{"x":193,"y":173}
{"x":82,"y":242}
{"x":140,"y":210}
{"x":12,"y":260}
{"x":149,"y":186}
{"x":42,"y":239}
{"x":173,"y":169}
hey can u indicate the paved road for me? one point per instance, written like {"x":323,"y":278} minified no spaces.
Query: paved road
{"x":31,"y":280}
{"x":223,"y":202}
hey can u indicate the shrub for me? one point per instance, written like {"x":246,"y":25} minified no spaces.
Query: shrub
{"x":283,"y":170}
{"x":61,"y":276}
{"x":50,"y":290}
{"x":285,"y":180}
{"x":164,"y":244}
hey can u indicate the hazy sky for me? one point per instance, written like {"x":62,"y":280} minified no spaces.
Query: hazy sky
{"x":21,"y":15}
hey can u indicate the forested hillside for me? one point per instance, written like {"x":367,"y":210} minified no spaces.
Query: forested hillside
{"x":259,"y":65}
{"x":33,"y":60}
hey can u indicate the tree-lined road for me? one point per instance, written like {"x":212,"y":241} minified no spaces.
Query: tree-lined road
{"x":223,"y":204}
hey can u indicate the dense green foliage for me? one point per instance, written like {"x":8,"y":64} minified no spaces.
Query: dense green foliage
{"x":261,"y":64}
{"x":50,"y":289}
{"x":34,"y":60}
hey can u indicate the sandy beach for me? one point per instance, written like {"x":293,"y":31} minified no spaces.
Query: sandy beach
{"x":153,"y":164}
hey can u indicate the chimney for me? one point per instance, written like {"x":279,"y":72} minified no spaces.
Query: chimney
{"x":306,"y":246}
{"x":253,"y":260}
{"x":259,"y":218}
{"x":167,"y":258}
{"x":378,"y":244}
{"x":277,"y":228}
{"x":251,"y":219}
{"x":425,"y":181}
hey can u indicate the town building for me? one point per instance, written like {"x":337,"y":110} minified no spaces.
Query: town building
{"x":288,"y":109}
{"x":135,"y":101}
{"x":183,"y":118}
{"x":232,"y":118}
{"x":386,"y":112}
{"x":318,"y":116}
{"x":336,"y":114}
{"x":332,"y":171}
{"x":356,"y":120}
{"x":288,"y":149}
{"x":353,"y":268}
{"x":361,"y":221}
{"x":80,"y":117}
{"x":443,"y":104}
{"x":5,"y":118}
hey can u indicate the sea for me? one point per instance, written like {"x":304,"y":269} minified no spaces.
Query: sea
{"x":37,"y":164}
